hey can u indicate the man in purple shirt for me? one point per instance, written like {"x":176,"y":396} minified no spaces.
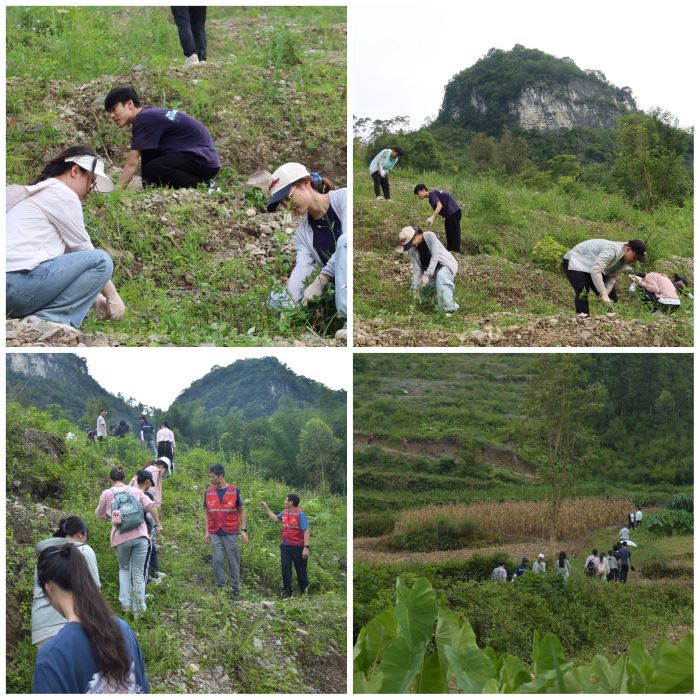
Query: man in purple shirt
{"x":446,"y":206}
{"x":175,"y":150}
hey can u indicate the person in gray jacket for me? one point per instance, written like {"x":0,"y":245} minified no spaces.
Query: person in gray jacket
{"x":46,"y":620}
{"x":596,"y":264}
{"x":320,"y":239}
{"x":379,"y":169}
{"x":433,"y":265}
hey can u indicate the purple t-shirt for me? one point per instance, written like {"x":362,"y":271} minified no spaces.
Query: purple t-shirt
{"x":171,"y":131}
{"x":449,"y":203}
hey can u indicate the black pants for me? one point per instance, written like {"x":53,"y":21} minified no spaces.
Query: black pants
{"x":190,"y":26}
{"x":382,"y":182}
{"x":453,"y":232}
{"x":165,"y":449}
{"x":624,"y":570}
{"x":175,"y":170}
{"x":582,"y":283}
{"x":293,"y":555}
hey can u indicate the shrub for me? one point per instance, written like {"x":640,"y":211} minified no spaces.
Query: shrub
{"x":548,"y":253}
{"x":670,"y":522}
{"x":372,"y":524}
{"x":681,"y":501}
{"x":440,"y":532}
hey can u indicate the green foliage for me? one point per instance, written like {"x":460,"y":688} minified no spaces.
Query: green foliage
{"x":441,"y":532}
{"x":548,"y":253}
{"x":372,"y":524}
{"x":417,"y":646}
{"x":670,"y":522}
{"x":424,"y":154}
{"x":681,"y":501}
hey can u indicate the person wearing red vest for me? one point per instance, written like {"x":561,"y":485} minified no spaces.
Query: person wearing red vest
{"x":294,"y":547}
{"x":225,"y":518}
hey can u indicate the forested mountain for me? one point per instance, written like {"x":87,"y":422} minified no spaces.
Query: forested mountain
{"x":62,"y":379}
{"x":643,"y":432}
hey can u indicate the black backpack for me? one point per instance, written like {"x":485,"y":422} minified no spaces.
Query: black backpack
{"x":591,"y":568}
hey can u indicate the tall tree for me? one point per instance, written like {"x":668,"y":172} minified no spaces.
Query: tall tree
{"x":318,"y":451}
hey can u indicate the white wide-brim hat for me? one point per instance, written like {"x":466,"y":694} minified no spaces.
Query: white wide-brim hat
{"x":95,"y":165}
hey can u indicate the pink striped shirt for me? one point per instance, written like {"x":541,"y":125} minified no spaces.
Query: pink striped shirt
{"x":102,"y":511}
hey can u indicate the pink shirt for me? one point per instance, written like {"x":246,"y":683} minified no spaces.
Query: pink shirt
{"x":157,"y":489}
{"x":165,"y":434}
{"x":658,"y":284}
{"x":102,"y":511}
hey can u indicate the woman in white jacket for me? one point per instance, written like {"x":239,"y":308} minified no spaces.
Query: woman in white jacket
{"x":320,"y":239}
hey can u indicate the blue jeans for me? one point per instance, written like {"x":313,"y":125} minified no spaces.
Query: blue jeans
{"x":444,"y":284}
{"x":341,"y":276}
{"x":131,"y":556}
{"x":60,"y":290}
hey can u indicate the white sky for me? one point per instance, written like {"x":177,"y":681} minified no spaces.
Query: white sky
{"x":404,"y":54}
{"x":155,"y":376}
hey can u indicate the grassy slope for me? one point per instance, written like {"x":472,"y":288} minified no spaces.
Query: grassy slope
{"x":189,"y":621}
{"x":498,"y":287}
{"x":191,"y":269}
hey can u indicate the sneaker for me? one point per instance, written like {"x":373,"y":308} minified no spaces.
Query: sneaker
{"x":191,"y":61}
{"x":213,"y":187}
{"x":449,"y":314}
{"x":379,"y":199}
{"x":342,"y":333}
{"x":234,"y":596}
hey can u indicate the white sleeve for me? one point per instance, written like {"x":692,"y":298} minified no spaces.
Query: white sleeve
{"x":65,"y":212}
{"x":339,"y":202}
{"x":91,"y":561}
{"x":304,"y":266}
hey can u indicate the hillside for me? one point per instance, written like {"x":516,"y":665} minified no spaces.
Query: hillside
{"x":255,"y":387}
{"x":61,"y":379}
{"x":192,"y":268}
{"x":529,"y":89}
{"x":193,"y":638}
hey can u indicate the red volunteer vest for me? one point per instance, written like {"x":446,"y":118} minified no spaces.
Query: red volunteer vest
{"x":222,"y":515}
{"x":291,"y":532}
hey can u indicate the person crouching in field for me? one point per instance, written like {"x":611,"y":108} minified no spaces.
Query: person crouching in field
{"x":433,"y":266}
{"x":52,"y":268}
{"x":661,"y":293}
{"x":175,"y":149}
{"x":445,"y":205}
{"x":596,"y":264}
{"x":320,"y":239}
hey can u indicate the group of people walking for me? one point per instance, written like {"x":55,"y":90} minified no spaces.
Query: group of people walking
{"x":82,"y":646}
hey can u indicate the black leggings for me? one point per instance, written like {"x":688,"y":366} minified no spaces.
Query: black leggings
{"x":382,"y":182}
{"x":190,"y":27}
{"x":582,"y":283}
{"x":175,"y":170}
{"x":453,"y":232}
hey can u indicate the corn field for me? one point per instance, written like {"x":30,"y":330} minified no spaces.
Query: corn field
{"x":577,"y":517}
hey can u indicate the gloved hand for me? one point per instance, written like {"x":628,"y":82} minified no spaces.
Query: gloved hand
{"x":315,"y":289}
{"x":116,"y":308}
{"x":424,"y":280}
{"x":430,"y":220}
{"x":100,"y":306}
{"x":606,"y":299}
{"x":382,"y":173}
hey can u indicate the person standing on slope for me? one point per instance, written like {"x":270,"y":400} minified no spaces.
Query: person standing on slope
{"x":380,"y":167}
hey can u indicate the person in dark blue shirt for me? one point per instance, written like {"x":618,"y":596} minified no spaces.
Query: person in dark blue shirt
{"x":95,"y":652}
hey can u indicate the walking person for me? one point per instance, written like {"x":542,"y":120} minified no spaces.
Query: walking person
{"x":522,"y":568}
{"x":624,"y":534}
{"x":540,"y":566}
{"x":190,"y":23}
{"x":53,"y":271}
{"x":613,"y":570}
{"x":144,"y":482}
{"x":562,"y":565}
{"x":638,"y":516}
{"x":624,"y":562}
{"x":46,"y":620}
{"x":126,"y":505}
{"x":174,"y":149}
{"x":166,"y":444}
{"x":147,"y":435}
{"x":590,"y":567}
{"x":433,"y":266}
{"x":294,"y":544}
{"x":380,"y":167}
{"x":500,"y":573}
{"x":445,"y":205}
{"x":320,"y":239}
{"x":101,"y":426}
{"x":225,"y":518}
{"x":596,"y":264}
{"x":94,"y":652}
{"x":370,"y":440}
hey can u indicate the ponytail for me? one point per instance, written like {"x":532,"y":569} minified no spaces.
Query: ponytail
{"x":57,"y":166}
{"x":66,"y":567}
{"x":318,"y":183}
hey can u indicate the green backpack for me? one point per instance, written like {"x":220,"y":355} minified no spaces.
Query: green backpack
{"x":126,"y":510}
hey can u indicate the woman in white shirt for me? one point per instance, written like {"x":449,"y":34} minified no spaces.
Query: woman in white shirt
{"x":52,"y":269}
{"x":320,"y":239}
{"x":165,"y":442}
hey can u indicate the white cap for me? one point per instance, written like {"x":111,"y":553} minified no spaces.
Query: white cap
{"x":405,"y":238}
{"x":540,"y":556}
{"x":93,"y":164}
{"x":165,"y":461}
{"x":282,"y":181}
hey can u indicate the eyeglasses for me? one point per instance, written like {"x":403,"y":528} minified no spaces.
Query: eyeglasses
{"x":93,"y":186}
{"x":288,"y":201}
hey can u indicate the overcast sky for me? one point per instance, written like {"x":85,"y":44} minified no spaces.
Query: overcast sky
{"x":404,"y":54}
{"x":155,"y":376}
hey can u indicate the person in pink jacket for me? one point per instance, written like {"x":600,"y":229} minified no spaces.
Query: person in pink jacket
{"x":660,"y":290}
{"x":157,"y":468}
{"x":130,"y":547}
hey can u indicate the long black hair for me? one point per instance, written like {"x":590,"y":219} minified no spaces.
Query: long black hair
{"x":67,"y":568}
{"x":72,"y":525}
{"x":57,"y":166}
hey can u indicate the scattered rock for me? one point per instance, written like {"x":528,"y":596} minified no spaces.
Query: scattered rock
{"x":251,"y":212}
{"x":301,"y":632}
{"x":257,"y":644}
{"x":260,"y":179}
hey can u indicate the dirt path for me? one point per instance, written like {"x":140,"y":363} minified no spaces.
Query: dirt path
{"x":437,"y":448}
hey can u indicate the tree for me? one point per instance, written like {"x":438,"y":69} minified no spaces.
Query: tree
{"x":482,"y":151}
{"x":560,"y":400}
{"x":511,"y":153}
{"x":424,"y":154}
{"x":318,"y":450}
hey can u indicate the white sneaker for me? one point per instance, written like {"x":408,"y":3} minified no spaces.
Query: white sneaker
{"x":192,"y":60}
{"x":379,"y":199}
{"x":342,"y":333}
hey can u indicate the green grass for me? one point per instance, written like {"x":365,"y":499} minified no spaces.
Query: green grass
{"x":189,"y":620}
{"x":273,"y":91}
{"x":502,"y":220}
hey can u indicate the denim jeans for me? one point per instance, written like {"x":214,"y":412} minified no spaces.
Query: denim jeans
{"x":444,"y":285}
{"x":60,"y":290}
{"x":131,"y":556}
{"x":341,"y":276}
{"x":226,"y":545}
{"x":151,"y":445}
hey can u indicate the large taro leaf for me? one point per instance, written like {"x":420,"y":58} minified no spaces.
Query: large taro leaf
{"x":673,"y":667}
{"x":374,"y":637}
{"x":400,"y":665}
{"x":471,"y":667}
{"x":431,"y":678}
{"x":416,"y":611}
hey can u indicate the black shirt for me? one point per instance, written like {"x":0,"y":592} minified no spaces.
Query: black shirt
{"x":327,"y":230}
